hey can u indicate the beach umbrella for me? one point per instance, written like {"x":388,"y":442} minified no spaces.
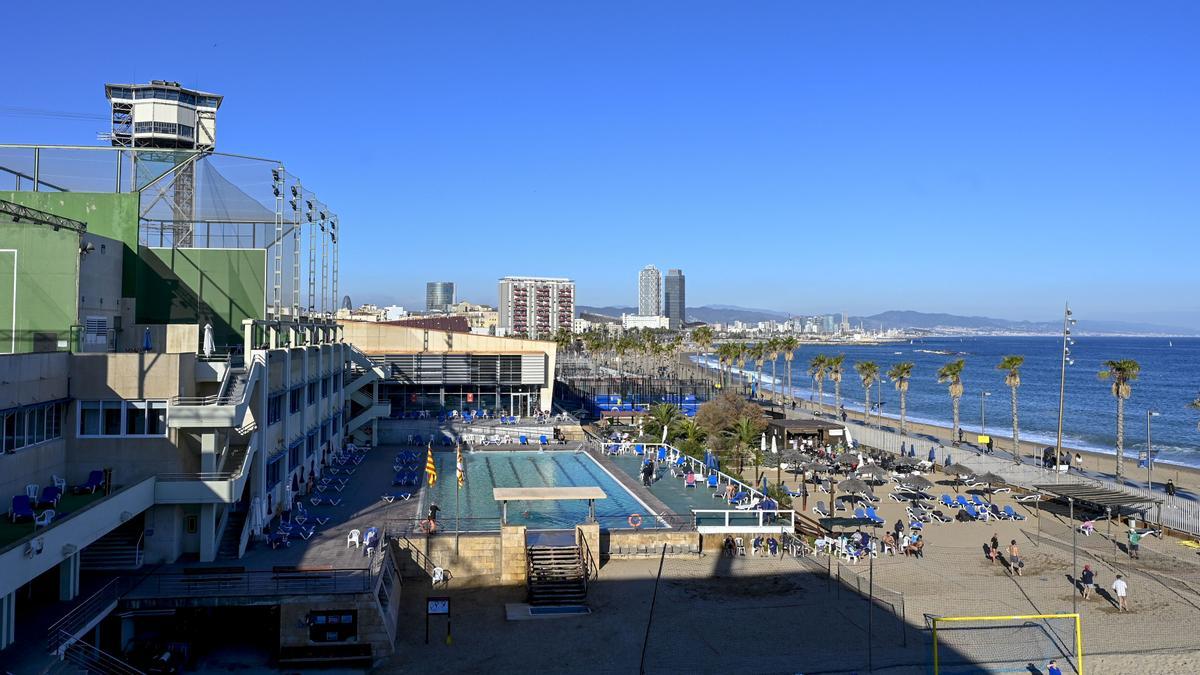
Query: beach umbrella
{"x":147,"y":342}
{"x":853,"y":485}
{"x":209,"y":346}
{"x":762,"y":443}
{"x":959,"y":470}
{"x":992,"y":479}
{"x":846,"y":458}
{"x":919,"y":482}
{"x":774,"y":449}
{"x":872,"y":472}
{"x":912,"y":451}
{"x":932,"y":454}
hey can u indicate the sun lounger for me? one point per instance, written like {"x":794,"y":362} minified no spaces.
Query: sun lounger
{"x":977,"y":515}
{"x":873,"y":515}
{"x":978,"y":501}
{"x":820,"y":510}
{"x":403,"y":496}
{"x":962,"y":502}
{"x":21,"y":509}
{"x":1143,"y":531}
{"x":94,"y":481}
{"x":1031,"y":497}
{"x":1012,"y":514}
{"x":50,"y":496}
{"x":948,"y":503}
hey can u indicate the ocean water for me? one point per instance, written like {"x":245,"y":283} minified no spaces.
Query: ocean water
{"x":1169,"y":379}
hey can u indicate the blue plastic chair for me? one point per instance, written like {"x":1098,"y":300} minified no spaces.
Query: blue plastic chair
{"x":713,"y":480}
{"x":1008,"y":511}
{"x":524,"y":440}
{"x":543,"y":440}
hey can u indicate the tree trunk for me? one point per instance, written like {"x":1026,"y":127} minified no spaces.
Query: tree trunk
{"x":867,"y":406}
{"x":954,"y":405}
{"x":1120,"y":435}
{"x":774,"y":380}
{"x":837,"y":396}
{"x":1016,"y":430}
{"x":903,"y":409}
{"x":788,"y":367}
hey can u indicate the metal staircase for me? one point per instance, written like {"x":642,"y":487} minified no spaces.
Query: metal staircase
{"x":558,"y":575}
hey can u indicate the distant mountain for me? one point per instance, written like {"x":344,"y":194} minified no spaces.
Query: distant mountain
{"x":706,"y":313}
{"x":938,"y":321}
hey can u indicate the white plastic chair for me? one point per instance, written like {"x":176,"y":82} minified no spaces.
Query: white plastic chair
{"x":43,"y":519}
{"x":354,"y":539}
{"x":741,"y":545}
{"x":33,"y":491}
{"x":440,"y":576}
{"x":60,"y":483}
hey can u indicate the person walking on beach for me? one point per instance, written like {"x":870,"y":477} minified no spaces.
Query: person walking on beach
{"x":1088,"y":578}
{"x":994,"y":547}
{"x":1135,"y":541}
{"x":1014,"y":558}
{"x":1170,"y":488}
{"x":843,"y":414}
{"x":1121,"y":589}
{"x":1079,"y":462}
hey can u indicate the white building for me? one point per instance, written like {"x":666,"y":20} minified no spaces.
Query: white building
{"x":536,"y":307}
{"x":649,"y":291}
{"x":630,"y":321}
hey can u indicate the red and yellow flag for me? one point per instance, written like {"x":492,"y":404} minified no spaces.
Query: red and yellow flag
{"x":458,"y":463}
{"x":430,"y":468}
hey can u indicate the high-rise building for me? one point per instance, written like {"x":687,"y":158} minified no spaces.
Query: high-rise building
{"x":536,"y":307}
{"x":439,"y":295}
{"x":649,"y":291}
{"x":674,"y":300}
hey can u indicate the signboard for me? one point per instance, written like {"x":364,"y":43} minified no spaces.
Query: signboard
{"x":983,"y":439}
{"x":835,"y":432}
{"x":470,"y":398}
{"x":437,"y":606}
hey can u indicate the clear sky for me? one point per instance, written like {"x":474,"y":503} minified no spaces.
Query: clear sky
{"x":982,"y":158}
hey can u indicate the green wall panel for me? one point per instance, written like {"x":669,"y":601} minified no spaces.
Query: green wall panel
{"x":38,"y":282}
{"x":194,"y":285}
{"x":107,"y":214}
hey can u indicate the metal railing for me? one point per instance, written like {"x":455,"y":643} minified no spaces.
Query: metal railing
{"x":591,"y":567}
{"x":734,"y":518}
{"x":92,"y":659}
{"x":223,"y":582}
{"x":63,"y":631}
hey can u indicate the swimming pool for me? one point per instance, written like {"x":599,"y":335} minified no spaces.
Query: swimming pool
{"x":477,"y":510}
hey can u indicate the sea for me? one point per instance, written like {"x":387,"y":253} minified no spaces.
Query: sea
{"x":1169,"y":380}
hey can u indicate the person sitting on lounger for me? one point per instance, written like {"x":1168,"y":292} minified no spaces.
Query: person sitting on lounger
{"x":689,"y":479}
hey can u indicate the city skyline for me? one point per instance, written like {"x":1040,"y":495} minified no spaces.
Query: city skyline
{"x":945,"y":166}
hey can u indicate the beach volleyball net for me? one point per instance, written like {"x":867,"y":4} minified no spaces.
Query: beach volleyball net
{"x":1004,"y":643}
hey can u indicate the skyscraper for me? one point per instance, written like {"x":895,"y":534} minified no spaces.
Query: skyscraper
{"x":536,"y":307}
{"x":649,"y":291}
{"x":439,"y":295}
{"x":673,"y":296}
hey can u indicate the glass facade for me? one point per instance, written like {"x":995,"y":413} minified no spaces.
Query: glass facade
{"x":122,"y":418}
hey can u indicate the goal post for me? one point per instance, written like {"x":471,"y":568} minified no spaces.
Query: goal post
{"x":1010,"y":638}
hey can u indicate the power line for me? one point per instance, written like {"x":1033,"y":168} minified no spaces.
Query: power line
{"x":20,"y":111}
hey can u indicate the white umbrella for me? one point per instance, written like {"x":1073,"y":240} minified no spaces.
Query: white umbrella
{"x":774,"y":449}
{"x":763,"y":443}
{"x":257,"y":515}
{"x":209,"y":346}
{"x":664,"y":438}
{"x":287,"y":497}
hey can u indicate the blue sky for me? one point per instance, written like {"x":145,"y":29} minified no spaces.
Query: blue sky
{"x":940,"y":156}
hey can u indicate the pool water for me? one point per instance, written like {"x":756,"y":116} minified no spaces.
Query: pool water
{"x":477,"y":510}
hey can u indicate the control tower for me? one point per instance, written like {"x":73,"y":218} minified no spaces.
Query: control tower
{"x":182,"y":123}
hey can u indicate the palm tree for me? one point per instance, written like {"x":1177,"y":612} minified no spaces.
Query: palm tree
{"x":1195,"y":405}
{"x":724,"y":358}
{"x":703,"y":337}
{"x":789,"y":345}
{"x":773,"y":354}
{"x":1122,"y":373}
{"x":901,"y":373}
{"x":835,"y":374}
{"x":868,"y":373}
{"x":1011,"y":365}
{"x":743,"y":352}
{"x":690,"y":438}
{"x":664,"y":416}
{"x":951,"y":374}
{"x":758,"y":352}
{"x":818,"y":367}
{"x":744,"y":436}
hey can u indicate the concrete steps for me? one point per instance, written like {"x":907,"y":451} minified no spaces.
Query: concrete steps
{"x":117,"y":550}
{"x":232,"y":536}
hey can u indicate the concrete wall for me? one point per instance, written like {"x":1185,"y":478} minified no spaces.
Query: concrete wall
{"x":100,"y":275}
{"x":132,"y":376}
{"x":26,"y":379}
{"x":372,"y":623}
{"x":478,"y":555}
{"x":513,"y":563}
{"x":164,"y":534}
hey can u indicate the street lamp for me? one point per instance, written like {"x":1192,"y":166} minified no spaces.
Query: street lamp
{"x":1067,"y":341}
{"x":982,"y":412}
{"x":1149,"y":450}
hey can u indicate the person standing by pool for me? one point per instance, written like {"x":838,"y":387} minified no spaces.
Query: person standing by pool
{"x":647,"y":472}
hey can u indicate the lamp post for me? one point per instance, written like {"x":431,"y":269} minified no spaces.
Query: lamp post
{"x":1149,"y":450}
{"x":1067,"y":341}
{"x":983,"y":412}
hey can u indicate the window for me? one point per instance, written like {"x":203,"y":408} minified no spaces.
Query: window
{"x":310,"y":446}
{"x":312,"y":392}
{"x":118,"y":418}
{"x":294,"y":455}
{"x":274,"y":408}
{"x":325,"y":387}
{"x":324,"y":433}
{"x":273,"y":469}
{"x":30,"y":425}
{"x":295,"y":396}
{"x":334,"y":626}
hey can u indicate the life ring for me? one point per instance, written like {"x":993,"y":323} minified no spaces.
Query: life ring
{"x":635,"y":520}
